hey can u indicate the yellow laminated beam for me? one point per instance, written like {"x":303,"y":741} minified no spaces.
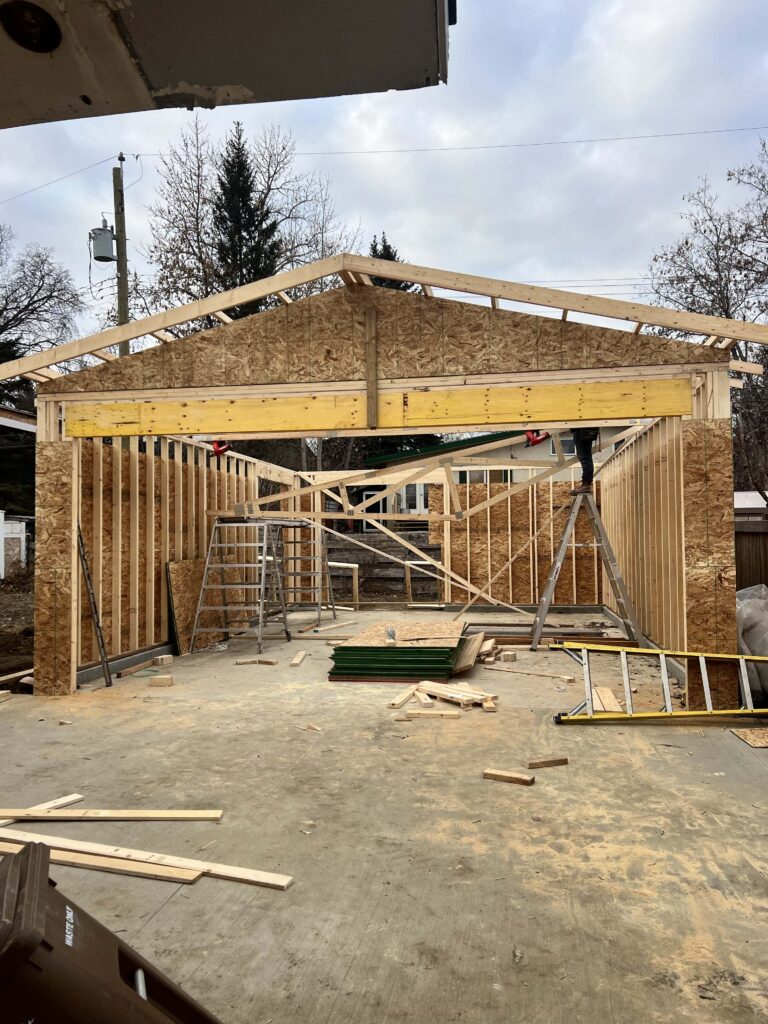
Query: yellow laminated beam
{"x":444,"y":408}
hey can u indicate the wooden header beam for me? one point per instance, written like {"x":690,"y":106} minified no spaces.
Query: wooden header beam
{"x":442,"y":409}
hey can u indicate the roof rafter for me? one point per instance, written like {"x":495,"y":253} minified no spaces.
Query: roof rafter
{"x":358,"y":269}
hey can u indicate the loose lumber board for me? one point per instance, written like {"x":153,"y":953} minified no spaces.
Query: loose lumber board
{"x":524,"y":672}
{"x":5,"y":695}
{"x":547,"y":762}
{"x":754,"y":737}
{"x":470,"y":650}
{"x":161,"y":681}
{"x":62,"y":801}
{"x":403,"y":698}
{"x":433,"y":713}
{"x":423,"y":698}
{"x":251,"y":876}
{"x":608,"y":699}
{"x":112,"y":864}
{"x":455,"y":693}
{"x":133,"y":669}
{"x":86,"y":814}
{"x":256,"y":661}
{"x":519,"y":778}
{"x":297,"y":658}
{"x":334,"y":625}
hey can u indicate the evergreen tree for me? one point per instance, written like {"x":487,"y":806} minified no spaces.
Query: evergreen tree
{"x":383,"y":250}
{"x":246,"y":240}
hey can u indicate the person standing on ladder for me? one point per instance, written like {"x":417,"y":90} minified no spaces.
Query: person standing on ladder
{"x":583,"y":439}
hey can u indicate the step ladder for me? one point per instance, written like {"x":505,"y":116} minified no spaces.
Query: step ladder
{"x":253,"y":547}
{"x":591,"y":711}
{"x":94,"y":609}
{"x":616,"y":580}
{"x":310,"y":564}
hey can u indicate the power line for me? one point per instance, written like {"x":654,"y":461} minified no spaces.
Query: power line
{"x":528,"y":145}
{"x":432,"y":149}
{"x":55,"y":181}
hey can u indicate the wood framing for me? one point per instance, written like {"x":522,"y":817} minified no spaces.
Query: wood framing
{"x":361,"y":359}
{"x":133,"y":523}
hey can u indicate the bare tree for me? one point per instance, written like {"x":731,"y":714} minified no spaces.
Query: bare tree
{"x":308,"y":224}
{"x":181,"y":227}
{"x":38,"y":307}
{"x":38,"y":299}
{"x":719,"y":267}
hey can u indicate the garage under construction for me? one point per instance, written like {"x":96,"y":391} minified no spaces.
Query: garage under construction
{"x":426,"y":890}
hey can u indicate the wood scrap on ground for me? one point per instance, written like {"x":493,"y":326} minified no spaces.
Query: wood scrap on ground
{"x":298,"y":658}
{"x":256,"y":661}
{"x":89,"y":814}
{"x":468,"y":655}
{"x":113,"y":864}
{"x":547,"y":762}
{"x":334,"y":625}
{"x":434,"y":713}
{"x":403,"y":697}
{"x":461,"y":694}
{"x":133,"y":669}
{"x":754,"y":737}
{"x":161,"y":681}
{"x":519,"y":778}
{"x":526,"y":672}
{"x":78,"y":853}
{"x":227,"y":871}
{"x":607,"y":699}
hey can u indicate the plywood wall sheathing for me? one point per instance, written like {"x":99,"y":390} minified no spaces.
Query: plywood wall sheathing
{"x":185,"y":581}
{"x":710,"y":561}
{"x":481,"y":544}
{"x":137,"y":507}
{"x":322,"y":338}
{"x":56,"y":599}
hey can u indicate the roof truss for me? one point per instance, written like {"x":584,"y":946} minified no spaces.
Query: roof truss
{"x":359,"y":269}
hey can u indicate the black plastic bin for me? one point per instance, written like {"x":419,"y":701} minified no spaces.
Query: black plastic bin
{"x":60,"y":966}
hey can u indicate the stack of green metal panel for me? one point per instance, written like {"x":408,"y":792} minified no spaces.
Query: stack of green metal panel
{"x":426,"y":650}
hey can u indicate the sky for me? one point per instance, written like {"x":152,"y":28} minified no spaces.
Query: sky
{"x":589,"y":215}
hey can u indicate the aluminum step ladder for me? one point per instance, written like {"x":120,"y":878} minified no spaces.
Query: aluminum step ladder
{"x":590,"y":710}
{"x":616,"y":580}
{"x":260,"y":579}
{"x":310,"y":564}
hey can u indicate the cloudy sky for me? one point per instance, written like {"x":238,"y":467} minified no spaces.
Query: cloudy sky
{"x":519,"y":72}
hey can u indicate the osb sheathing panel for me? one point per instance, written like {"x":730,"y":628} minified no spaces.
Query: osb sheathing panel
{"x":54,"y":585}
{"x":710,"y":575}
{"x":185,"y":580}
{"x":322,"y":338}
{"x":482,"y":544}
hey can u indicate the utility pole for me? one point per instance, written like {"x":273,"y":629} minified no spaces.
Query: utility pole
{"x":124,"y":348}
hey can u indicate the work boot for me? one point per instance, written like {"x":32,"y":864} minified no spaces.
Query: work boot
{"x":582,"y":489}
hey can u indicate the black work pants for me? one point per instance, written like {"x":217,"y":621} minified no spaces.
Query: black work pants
{"x":584,"y":454}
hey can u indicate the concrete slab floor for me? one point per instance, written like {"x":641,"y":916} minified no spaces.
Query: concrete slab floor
{"x":630,"y":886}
